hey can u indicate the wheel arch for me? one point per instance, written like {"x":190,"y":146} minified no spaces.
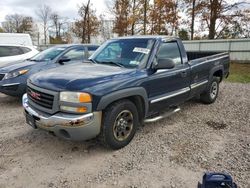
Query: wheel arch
{"x":217,"y":71}
{"x":137,"y":95}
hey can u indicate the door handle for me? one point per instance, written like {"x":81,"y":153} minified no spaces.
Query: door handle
{"x":183,"y":73}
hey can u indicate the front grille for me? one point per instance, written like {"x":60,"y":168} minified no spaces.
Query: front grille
{"x":42,"y":99}
{"x":1,"y":76}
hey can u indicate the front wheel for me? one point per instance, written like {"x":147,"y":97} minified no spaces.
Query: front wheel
{"x":119,"y":124}
{"x":211,"y":93}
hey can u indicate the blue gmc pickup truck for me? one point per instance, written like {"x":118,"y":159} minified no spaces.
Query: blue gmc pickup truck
{"x":127,"y":82}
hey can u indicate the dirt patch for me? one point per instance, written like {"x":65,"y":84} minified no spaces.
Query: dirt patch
{"x":216,"y":125}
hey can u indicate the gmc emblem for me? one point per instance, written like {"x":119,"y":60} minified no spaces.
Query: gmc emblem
{"x":35,"y":95}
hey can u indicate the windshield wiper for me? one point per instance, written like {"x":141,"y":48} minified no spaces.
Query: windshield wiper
{"x":112,"y":63}
{"x":32,"y":60}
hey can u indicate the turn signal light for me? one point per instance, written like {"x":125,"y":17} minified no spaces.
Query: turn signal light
{"x":85,"y":97}
{"x":82,"y":109}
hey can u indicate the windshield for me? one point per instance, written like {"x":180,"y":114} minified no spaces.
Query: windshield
{"x":129,"y":53}
{"x":48,"y":54}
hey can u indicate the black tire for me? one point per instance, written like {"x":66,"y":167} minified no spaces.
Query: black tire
{"x":114,"y":130}
{"x":211,"y":93}
{"x":199,"y":185}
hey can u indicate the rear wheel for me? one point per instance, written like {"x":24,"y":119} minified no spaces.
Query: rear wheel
{"x":120,"y":122}
{"x":211,"y":93}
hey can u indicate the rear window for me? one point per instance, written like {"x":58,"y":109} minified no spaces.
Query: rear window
{"x":6,"y":51}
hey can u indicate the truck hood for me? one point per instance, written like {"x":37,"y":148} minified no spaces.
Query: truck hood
{"x":83,"y":77}
{"x":16,"y":66}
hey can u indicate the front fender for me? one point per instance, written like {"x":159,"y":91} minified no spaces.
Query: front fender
{"x":121,"y":94}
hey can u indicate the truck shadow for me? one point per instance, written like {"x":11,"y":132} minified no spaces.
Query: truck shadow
{"x":43,"y":142}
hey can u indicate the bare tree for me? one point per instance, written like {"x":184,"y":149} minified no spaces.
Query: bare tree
{"x":218,"y":14}
{"x":172,"y":17}
{"x":164,"y":16}
{"x":245,"y":23}
{"x":44,"y":13}
{"x":87,"y":25}
{"x":130,"y":16}
{"x":193,"y":9}
{"x":121,"y":12}
{"x":133,"y":18}
{"x":83,"y":12}
{"x":17,"y":23}
{"x":193,"y":17}
{"x":59,"y":29}
{"x":145,"y":4}
{"x":57,"y":23}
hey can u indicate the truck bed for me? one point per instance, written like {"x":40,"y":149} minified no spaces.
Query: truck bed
{"x":197,"y":55}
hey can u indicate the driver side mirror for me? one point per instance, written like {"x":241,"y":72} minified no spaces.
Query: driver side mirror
{"x":63,"y":59}
{"x":165,"y":63}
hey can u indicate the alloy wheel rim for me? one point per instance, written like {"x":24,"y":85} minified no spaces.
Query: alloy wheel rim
{"x":214,"y":89}
{"x":123,"y":125}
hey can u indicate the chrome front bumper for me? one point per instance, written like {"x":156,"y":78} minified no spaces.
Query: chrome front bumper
{"x":67,"y":126}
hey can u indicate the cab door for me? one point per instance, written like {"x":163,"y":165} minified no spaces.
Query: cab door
{"x":168,"y":87}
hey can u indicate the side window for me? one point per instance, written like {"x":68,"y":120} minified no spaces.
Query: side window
{"x":74,"y":54}
{"x":92,"y":49}
{"x":170,"y":50}
{"x":16,"y":50}
{"x":25,"y":50}
{"x":6,"y":51}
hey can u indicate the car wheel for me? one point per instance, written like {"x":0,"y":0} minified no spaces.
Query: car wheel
{"x":211,"y":93}
{"x":119,"y":125}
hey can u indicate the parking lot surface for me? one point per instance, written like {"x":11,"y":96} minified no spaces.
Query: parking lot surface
{"x":173,"y":152}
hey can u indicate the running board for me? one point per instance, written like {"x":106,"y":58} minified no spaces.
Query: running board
{"x":162,"y":116}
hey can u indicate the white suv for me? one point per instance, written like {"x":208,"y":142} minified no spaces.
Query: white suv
{"x":10,"y":53}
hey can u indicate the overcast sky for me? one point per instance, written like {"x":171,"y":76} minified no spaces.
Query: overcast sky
{"x":65,"y":8}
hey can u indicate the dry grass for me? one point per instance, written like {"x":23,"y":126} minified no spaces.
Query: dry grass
{"x":239,"y":73}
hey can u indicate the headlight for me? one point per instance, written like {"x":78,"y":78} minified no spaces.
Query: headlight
{"x":75,"y":102}
{"x":15,"y":74}
{"x":75,"y":97}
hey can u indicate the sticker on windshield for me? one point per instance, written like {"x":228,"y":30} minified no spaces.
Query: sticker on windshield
{"x":60,"y":48}
{"x":141,"y":50}
{"x":134,"y":63}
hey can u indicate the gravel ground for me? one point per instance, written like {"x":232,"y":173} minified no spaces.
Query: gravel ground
{"x":173,"y":152}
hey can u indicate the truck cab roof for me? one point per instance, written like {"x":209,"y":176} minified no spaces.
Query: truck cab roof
{"x":161,"y":37}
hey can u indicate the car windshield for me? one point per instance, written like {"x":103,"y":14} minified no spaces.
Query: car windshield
{"x":129,"y":53}
{"x":48,"y":54}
